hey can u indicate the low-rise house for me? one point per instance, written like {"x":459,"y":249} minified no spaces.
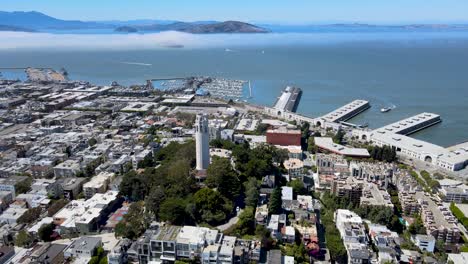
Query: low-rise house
{"x":71,"y":187}
{"x":83,"y":248}
{"x":287,"y":193}
{"x":424,"y":242}
{"x":68,"y":168}
{"x":48,"y":253}
{"x":98,"y":184}
{"x":86,"y":216}
{"x":261,"y":215}
{"x":295,"y":167}
{"x":192,"y":240}
{"x":48,"y":187}
{"x":460,"y":258}
{"x":11,"y":215}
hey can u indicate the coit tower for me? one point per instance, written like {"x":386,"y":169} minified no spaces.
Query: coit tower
{"x":202,"y":139}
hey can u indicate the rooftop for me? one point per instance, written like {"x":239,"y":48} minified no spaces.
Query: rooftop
{"x":328,"y":144}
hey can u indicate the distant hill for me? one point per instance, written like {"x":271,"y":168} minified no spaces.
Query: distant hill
{"x":206,"y":28}
{"x":14,"y":28}
{"x":37,"y":20}
{"x":226,"y":27}
{"x":127,"y":29}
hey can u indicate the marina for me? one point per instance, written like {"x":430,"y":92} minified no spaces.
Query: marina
{"x":216,"y":87}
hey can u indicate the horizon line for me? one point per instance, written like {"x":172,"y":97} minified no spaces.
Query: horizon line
{"x":272,"y":22}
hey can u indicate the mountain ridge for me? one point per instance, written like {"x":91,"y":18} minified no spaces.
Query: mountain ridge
{"x":32,"y":21}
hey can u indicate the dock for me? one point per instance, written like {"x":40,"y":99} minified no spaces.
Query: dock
{"x":289,"y":99}
{"x":347,"y":112}
{"x":412,"y":124}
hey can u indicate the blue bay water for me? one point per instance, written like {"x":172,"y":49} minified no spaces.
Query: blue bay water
{"x":414,"y":74}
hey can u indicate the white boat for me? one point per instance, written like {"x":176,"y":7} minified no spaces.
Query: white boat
{"x":385,"y":109}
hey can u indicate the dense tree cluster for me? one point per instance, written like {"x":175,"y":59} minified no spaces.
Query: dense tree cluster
{"x":376,"y":214}
{"x":171,"y":194}
{"x":298,"y":187}
{"x":332,"y":235}
{"x":222,"y":177}
{"x":459,"y":215}
{"x":276,"y":204}
{"x":251,"y":192}
{"x":431,"y":183}
{"x":23,"y":239}
{"x":23,"y":186}
{"x":56,"y":206}
{"x":30,"y":216}
{"x":246,"y":224}
{"x":99,"y":257}
{"x":46,"y":231}
{"x":385,"y":153}
{"x":419,"y":180}
{"x":338,"y":138}
{"x":134,"y":223}
{"x":417,"y":227}
{"x":211,"y":207}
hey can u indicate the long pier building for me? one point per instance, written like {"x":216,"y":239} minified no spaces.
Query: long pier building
{"x":346,"y":112}
{"x":412,"y":124}
{"x":289,"y":99}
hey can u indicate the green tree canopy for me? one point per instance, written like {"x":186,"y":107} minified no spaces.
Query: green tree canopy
{"x":220,"y":175}
{"x":45,"y":232}
{"x":134,"y":222}
{"x":173,"y":210}
{"x":30,"y":216}
{"x":23,"y":239}
{"x":212,"y":207}
{"x":276,"y":203}
{"x":251,"y":192}
{"x":154,"y":199}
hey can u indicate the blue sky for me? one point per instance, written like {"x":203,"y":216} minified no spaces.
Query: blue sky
{"x":280,"y":11}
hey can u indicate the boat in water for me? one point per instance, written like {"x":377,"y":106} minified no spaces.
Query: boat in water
{"x":386,"y":109}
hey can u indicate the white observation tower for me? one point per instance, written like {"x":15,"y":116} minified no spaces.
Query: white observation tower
{"x":202,"y":139}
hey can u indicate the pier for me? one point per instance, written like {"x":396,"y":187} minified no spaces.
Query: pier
{"x":347,"y":112}
{"x":289,"y":99}
{"x":411,"y":125}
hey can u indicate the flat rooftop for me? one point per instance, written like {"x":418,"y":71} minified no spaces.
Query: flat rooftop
{"x":328,"y":144}
{"x":346,"y":112}
{"x":288,"y":99}
{"x":411,"y":124}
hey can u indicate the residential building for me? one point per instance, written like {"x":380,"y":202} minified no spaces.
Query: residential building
{"x":284,"y":137}
{"x":287,"y":193}
{"x":438,"y":220}
{"x":71,"y":187}
{"x":11,"y":215}
{"x":87,"y":216}
{"x":98,"y":184}
{"x":350,"y":188}
{"x":43,"y":168}
{"x":453,"y":191}
{"x":83,"y":248}
{"x":424,"y":242}
{"x":9,"y":184}
{"x":68,"y":168}
{"x":48,"y":253}
{"x":460,"y":258}
{"x":191,"y":240}
{"x":295,"y":167}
